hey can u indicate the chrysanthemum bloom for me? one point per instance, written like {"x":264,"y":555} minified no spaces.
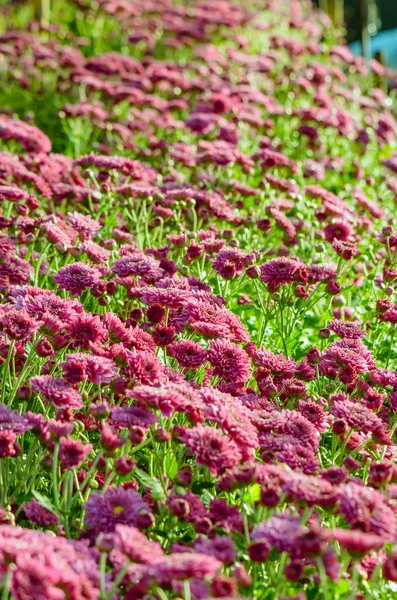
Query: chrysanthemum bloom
{"x":347,"y":329}
{"x":133,"y":416}
{"x":30,"y":137}
{"x":367,"y":509}
{"x":357,"y":543}
{"x":163,"y":336}
{"x":185,"y":565}
{"x":104,"y":512}
{"x":97,"y":369}
{"x":73,"y":452}
{"x":136,"y":264}
{"x":314,"y":413}
{"x":214,"y":321}
{"x":95,"y":252}
{"x":340,"y":230}
{"x":357,"y":416}
{"x":280,"y":531}
{"x":143,"y":367}
{"x":229,"y":361}
{"x":8,"y":446}
{"x":346,"y":250}
{"x":279,"y":366}
{"x":84,"y":224}
{"x":230,"y":262}
{"x":43,"y":564}
{"x":18,"y":324}
{"x":13,"y":421}
{"x":15,"y":270}
{"x":40,"y":303}
{"x":222,"y":547}
{"x":130,"y":544}
{"x":166,"y":398}
{"x":38,"y":515}
{"x":283,"y":222}
{"x":86,"y":330}
{"x":212,"y":448}
{"x":346,"y":358}
{"x":310,"y":490}
{"x":234,"y":418}
{"x":389,"y":568}
{"x":189,"y":354}
{"x":77,"y":277}
{"x":281,"y":271}
{"x":56,"y":391}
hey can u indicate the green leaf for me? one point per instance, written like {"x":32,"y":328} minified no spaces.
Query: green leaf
{"x":152,"y":483}
{"x":44,"y":501}
{"x":171,"y":466}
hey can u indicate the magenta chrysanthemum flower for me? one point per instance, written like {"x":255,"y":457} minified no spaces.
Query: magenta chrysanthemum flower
{"x":228,"y":361}
{"x":18,"y":324}
{"x":97,"y":369}
{"x":117,"y":506}
{"x":230,"y":262}
{"x":281,"y":271}
{"x":357,"y":416}
{"x":56,"y":391}
{"x":133,"y":416}
{"x":38,"y":515}
{"x":222,"y":547}
{"x":73,"y":452}
{"x":277,"y":364}
{"x":43,"y":564}
{"x":84,"y":224}
{"x":131,"y":544}
{"x":11,"y":420}
{"x":95,"y":252}
{"x":347,"y":329}
{"x":136,"y":264}
{"x":357,"y":543}
{"x":40,"y":302}
{"x":280,"y":531}
{"x":347,"y":358}
{"x":85,"y":330}
{"x":77,"y":277}
{"x":189,"y":354}
{"x":212,"y":448}
{"x":338,"y":231}
{"x":310,"y":490}
{"x":143,"y":367}
{"x":185,"y":565}
{"x":165,"y":398}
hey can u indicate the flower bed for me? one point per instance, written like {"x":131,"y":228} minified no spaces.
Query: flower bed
{"x":198,"y":269}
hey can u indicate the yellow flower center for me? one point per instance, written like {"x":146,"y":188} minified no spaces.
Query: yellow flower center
{"x":118,"y":509}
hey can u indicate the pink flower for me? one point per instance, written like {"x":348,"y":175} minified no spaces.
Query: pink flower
{"x":230,"y":262}
{"x":77,"y":277}
{"x":281,"y":271}
{"x":38,"y":515}
{"x":97,"y":369}
{"x":73,"y":452}
{"x":56,"y":391}
{"x":115,"y":506}
{"x":212,"y":448}
{"x":229,"y":361}
{"x":18,"y":325}
{"x":189,"y":354}
{"x":84,"y":224}
{"x":85,"y":330}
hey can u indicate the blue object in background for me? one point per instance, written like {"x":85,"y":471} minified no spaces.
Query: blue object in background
{"x":385,"y":41}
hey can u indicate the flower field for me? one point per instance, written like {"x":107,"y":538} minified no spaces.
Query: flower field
{"x":198,"y":305}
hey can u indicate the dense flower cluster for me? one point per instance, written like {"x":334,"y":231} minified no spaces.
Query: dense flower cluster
{"x":198,"y":276}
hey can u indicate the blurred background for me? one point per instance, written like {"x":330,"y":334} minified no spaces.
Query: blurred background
{"x":371,"y":26}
